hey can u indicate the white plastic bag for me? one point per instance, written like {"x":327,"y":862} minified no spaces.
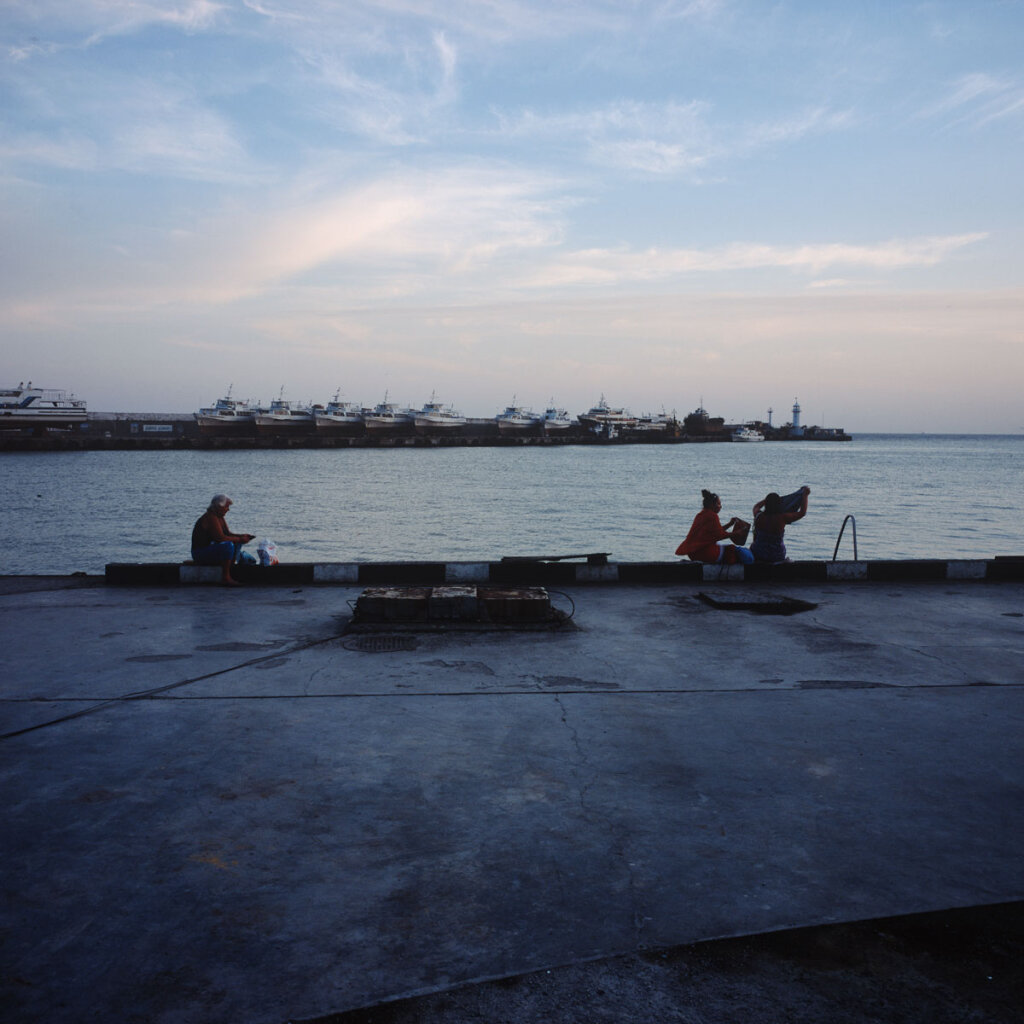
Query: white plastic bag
{"x":267,"y":551}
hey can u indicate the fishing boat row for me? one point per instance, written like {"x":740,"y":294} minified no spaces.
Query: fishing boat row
{"x":230,"y":415}
{"x":29,"y":410}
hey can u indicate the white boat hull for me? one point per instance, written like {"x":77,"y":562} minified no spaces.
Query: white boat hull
{"x":339,"y":425}
{"x":387,"y":424}
{"x":53,"y":418}
{"x":438,"y":425}
{"x":282,"y":425}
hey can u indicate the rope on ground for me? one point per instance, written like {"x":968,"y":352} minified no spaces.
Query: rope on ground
{"x":562,"y":593}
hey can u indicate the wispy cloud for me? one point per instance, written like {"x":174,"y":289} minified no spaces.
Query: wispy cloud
{"x":485,"y":21}
{"x":47,"y":26}
{"x":977,"y":100}
{"x":610,"y":267}
{"x":664,"y":139}
{"x":793,"y":127}
{"x":153,"y":127}
{"x":391,"y":100}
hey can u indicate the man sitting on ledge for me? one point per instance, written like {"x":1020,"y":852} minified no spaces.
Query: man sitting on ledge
{"x":213,"y":543}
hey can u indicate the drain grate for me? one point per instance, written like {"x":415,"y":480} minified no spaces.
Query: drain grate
{"x":379,"y":644}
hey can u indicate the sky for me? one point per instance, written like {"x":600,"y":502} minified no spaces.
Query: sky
{"x":669,"y":203}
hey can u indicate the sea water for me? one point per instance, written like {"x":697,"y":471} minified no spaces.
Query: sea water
{"x":912,"y":496}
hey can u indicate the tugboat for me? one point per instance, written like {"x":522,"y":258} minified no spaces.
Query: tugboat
{"x":227,"y":416}
{"x":282,"y":418}
{"x":386,"y":418}
{"x":436,"y":418}
{"x":28,"y":406}
{"x":344,"y":418}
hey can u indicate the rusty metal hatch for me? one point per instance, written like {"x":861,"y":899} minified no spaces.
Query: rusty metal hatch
{"x":387,"y":609}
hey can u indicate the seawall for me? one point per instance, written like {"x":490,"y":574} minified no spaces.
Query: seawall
{"x":596,"y":570}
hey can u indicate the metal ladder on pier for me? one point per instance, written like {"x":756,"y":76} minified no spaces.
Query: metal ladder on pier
{"x":848,"y":519}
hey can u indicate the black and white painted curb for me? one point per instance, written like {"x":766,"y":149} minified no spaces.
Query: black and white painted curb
{"x":561,"y":573}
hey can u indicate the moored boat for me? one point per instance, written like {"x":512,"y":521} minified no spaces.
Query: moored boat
{"x":387,"y":418}
{"x":339,"y":418}
{"x":284,"y":418}
{"x":227,"y":416}
{"x":555,"y":419}
{"x":514,"y":419}
{"x":29,"y":406}
{"x":747,"y":434}
{"x":437,"y":418}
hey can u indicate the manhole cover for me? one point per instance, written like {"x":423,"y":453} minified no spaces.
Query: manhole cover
{"x":379,"y":644}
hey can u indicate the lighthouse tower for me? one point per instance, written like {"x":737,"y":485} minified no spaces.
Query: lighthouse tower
{"x":797,"y":430}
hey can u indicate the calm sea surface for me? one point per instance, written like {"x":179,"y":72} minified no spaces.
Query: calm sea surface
{"x":913,"y":496}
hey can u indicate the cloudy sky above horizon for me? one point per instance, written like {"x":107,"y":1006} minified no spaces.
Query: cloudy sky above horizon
{"x":662,"y":201}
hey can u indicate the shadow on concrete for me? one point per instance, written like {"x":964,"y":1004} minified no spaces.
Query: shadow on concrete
{"x":942,"y":968}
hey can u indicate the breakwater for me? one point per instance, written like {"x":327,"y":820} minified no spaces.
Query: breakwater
{"x":180,"y":431}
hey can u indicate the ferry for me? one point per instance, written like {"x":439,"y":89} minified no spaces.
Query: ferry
{"x":436,"y":418}
{"x":227,"y":416}
{"x":284,"y":418}
{"x":387,"y":418}
{"x":344,"y":418}
{"x":29,"y":406}
{"x":514,"y":419}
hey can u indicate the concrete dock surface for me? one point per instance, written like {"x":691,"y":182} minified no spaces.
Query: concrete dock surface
{"x":221,"y":806}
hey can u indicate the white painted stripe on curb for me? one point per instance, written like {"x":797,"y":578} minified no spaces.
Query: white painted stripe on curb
{"x":846,"y":570}
{"x":467,"y":572}
{"x":597,"y":574}
{"x":714,"y":573}
{"x":336,"y":572}
{"x":965,"y":570}
{"x":198,"y":574}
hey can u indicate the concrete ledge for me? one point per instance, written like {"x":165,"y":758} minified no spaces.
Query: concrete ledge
{"x":418,"y":573}
{"x":714,"y":573}
{"x":846,"y":570}
{"x":335,"y":572}
{"x":787,"y":572}
{"x":146,"y":573}
{"x":660,"y":572}
{"x":906,"y":570}
{"x":467,"y":572}
{"x":974,"y":570}
{"x":572,"y":573}
{"x":535,"y":573}
{"x":1005,"y":569}
{"x":192,"y":574}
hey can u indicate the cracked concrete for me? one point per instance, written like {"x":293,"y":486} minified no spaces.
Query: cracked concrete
{"x":277,"y":826}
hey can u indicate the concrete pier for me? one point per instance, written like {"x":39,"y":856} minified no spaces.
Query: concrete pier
{"x":220,"y":805}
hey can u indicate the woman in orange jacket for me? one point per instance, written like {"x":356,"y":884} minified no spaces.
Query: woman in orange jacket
{"x":702,"y":543}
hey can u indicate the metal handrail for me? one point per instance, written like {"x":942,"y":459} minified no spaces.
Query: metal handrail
{"x":848,"y":519}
